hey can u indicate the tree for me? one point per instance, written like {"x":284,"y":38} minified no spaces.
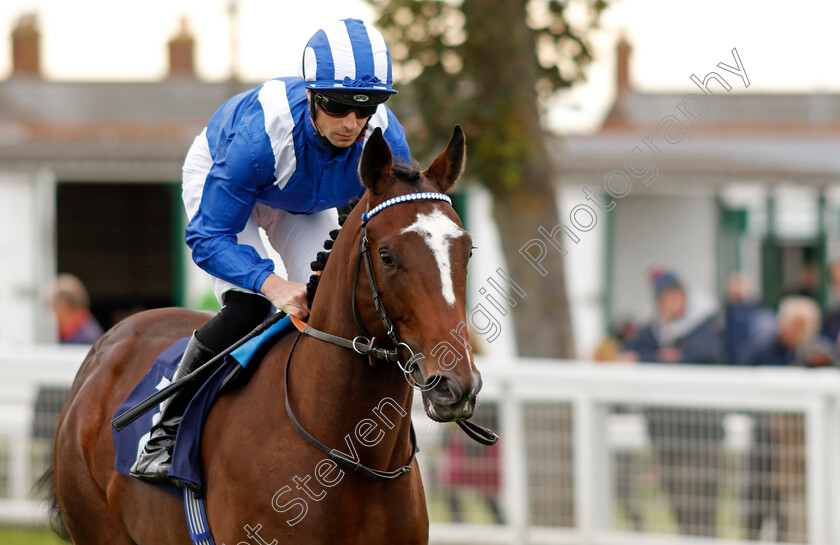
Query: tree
{"x":489,"y":65}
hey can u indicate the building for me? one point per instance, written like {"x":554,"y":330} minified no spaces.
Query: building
{"x":709,"y":182}
{"x":90,"y":184}
{"x":705,"y":183}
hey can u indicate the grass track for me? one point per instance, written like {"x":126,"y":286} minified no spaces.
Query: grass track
{"x":28,"y":536}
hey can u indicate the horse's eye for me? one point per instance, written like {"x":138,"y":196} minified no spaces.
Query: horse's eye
{"x":472,"y":249}
{"x":387,"y":259}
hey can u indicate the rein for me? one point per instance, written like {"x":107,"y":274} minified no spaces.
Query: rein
{"x":339,"y":456}
{"x":363,"y":345}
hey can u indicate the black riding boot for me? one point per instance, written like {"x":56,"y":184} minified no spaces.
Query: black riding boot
{"x":153,"y":463}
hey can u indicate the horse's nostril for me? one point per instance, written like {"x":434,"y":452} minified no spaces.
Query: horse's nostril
{"x":455,"y":389}
{"x":446,"y":391}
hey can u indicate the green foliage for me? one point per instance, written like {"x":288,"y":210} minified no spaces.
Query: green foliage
{"x":488,"y":65}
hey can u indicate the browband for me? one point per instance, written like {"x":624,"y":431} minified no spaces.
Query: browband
{"x":404,"y":198}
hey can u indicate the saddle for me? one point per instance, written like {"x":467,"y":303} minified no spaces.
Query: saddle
{"x":233,"y":372}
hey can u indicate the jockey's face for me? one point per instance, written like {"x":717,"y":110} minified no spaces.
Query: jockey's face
{"x":343,"y":131}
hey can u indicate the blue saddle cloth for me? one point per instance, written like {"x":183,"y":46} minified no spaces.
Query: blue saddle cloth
{"x":186,"y":459}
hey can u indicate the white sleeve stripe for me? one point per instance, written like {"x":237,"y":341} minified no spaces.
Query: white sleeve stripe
{"x":278,"y":126}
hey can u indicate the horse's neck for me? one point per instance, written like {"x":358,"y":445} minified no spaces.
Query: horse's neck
{"x":342,"y":397}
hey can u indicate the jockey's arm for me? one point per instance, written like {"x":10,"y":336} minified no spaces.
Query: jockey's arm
{"x":227,"y":201}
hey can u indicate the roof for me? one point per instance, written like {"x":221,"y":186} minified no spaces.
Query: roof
{"x":734,"y":110}
{"x":105,"y":131}
{"x":780,"y":136}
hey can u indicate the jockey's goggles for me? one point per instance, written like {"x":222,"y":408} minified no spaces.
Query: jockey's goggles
{"x":363,"y":104}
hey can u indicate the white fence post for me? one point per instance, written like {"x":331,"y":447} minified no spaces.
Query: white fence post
{"x":588,"y":495}
{"x":514,"y":455}
{"x":832,"y":460}
{"x":20,"y":466}
{"x":816,"y":480}
{"x":822,"y":458}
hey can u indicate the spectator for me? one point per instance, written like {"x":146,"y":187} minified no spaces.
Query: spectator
{"x":76,"y":325}
{"x":467,"y":468}
{"x":685,"y":330}
{"x":687,"y":442}
{"x":71,"y":305}
{"x":831,"y":321}
{"x":775,"y":467}
{"x":747,"y":322}
{"x":797,"y":340}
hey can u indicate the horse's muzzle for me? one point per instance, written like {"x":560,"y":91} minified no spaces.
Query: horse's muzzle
{"x":448,"y":400}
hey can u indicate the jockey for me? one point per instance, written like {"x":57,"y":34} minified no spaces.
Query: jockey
{"x":280,"y":157}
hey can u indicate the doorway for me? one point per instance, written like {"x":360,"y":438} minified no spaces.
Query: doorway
{"x":124,"y":241}
{"x":791,"y":267}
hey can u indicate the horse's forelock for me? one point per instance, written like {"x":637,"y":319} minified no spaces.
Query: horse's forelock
{"x":407,"y":173}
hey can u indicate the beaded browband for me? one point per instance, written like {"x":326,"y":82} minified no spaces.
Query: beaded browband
{"x":404,"y":198}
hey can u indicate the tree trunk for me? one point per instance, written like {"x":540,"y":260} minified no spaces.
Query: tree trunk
{"x":509,"y":156}
{"x":542,"y":320}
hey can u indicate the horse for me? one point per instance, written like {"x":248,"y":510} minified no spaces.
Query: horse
{"x":265,"y":482}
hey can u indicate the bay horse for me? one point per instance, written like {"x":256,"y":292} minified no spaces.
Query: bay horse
{"x":264,"y":482}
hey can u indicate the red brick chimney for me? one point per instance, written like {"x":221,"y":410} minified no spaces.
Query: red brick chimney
{"x":26,"y":47}
{"x":181,"y":47}
{"x":622,"y":68}
{"x":616,"y":120}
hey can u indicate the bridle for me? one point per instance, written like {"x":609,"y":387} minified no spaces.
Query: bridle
{"x":363,"y":345}
{"x":410,"y":368}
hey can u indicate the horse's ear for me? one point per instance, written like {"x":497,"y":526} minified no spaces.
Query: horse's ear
{"x":449,"y":165}
{"x":375,"y":164}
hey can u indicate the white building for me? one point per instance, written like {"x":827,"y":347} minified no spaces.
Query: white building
{"x":90,"y":184}
{"x":706,"y":184}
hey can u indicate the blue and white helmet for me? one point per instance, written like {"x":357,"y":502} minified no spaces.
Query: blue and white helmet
{"x":348,"y":56}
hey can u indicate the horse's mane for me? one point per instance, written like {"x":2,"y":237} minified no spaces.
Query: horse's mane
{"x":320,"y":262}
{"x":402,"y":171}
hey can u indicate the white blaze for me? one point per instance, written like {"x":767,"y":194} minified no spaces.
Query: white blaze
{"x":438,"y":231}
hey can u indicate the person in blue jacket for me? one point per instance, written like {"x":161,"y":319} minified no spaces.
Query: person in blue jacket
{"x":687,"y":442}
{"x":686,"y":328}
{"x":280,"y":157}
